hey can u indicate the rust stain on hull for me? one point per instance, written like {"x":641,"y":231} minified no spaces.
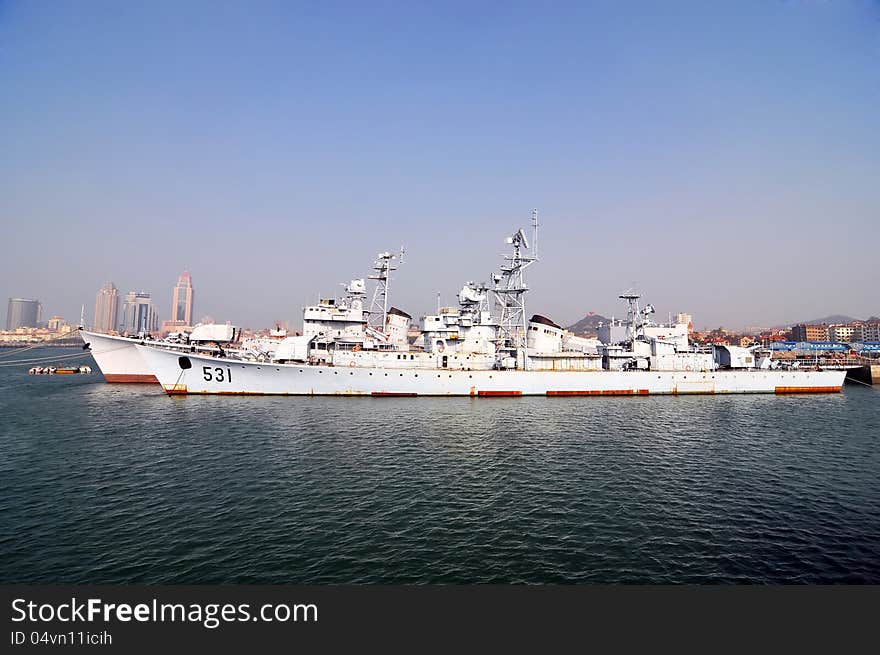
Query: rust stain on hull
{"x":596,"y":392}
{"x":499,"y":393}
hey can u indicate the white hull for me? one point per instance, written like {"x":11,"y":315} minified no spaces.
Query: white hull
{"x":212,"y":375}
{"x":118,"y":358}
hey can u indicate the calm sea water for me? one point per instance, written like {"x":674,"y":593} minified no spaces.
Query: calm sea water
{"x":118,"y":483}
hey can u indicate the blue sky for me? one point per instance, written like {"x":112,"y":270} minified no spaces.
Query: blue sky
{"x":723,"y":157}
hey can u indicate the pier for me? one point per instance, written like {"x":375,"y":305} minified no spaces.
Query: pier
{"x":858,"y":369}
{"x":866,"y":374}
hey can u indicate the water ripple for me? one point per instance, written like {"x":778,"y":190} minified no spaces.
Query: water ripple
{"x":117,"y":483}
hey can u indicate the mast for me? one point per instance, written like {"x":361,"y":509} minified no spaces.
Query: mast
{"x":636,"y":317}
{"x":510,"y":289}
{"x":383,"y":268}
{"x":535,"y":233}
{"x":632,"y":313}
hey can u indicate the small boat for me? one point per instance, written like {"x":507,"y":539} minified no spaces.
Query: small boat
{"x":59,"y":370}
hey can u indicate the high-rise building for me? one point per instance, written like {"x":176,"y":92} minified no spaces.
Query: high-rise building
{"x":22,"y":312}
{"x":871,"y":332}
{"x":182,"y":300}
{"x":685,"y":319}
{"x":809,"y":332}
{"x":106,"y":308}
{"x":181,"y":306}
{"x":139,"y":313}
{"x":845,"y":333}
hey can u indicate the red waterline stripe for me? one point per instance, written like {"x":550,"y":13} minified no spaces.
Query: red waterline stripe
{"x":499,"y":393}
{"x":237,"y":393}
{"x":131,"y":378}
{"x":596,"y":392}
{"x":807,"y":389}
{"x":393,"y":394}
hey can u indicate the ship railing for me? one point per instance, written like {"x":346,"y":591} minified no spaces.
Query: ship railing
{"x":826,"y":361}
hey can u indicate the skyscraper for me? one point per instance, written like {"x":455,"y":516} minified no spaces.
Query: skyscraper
{"x":106,"y":308}
{"x":139,"y":313}
{"x":22,"y":312}
{"x":687,"y":319}
{"x":182,"y":301}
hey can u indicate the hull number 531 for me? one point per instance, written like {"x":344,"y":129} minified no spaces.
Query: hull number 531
{"x":217,"y":374}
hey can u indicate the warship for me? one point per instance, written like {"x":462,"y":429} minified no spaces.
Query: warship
{"x":120,"y":362}
{"x":485,"y":347}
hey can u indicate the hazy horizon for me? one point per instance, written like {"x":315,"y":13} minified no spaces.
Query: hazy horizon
{"x":721,"y":158}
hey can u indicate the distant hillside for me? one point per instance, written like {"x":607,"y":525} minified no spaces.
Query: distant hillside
{"x":834,"y":318}
{"x":588,"y":324}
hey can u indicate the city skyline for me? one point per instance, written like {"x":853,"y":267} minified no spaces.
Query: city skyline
{"x":721,"y":159}
{"x":103,"y":307}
